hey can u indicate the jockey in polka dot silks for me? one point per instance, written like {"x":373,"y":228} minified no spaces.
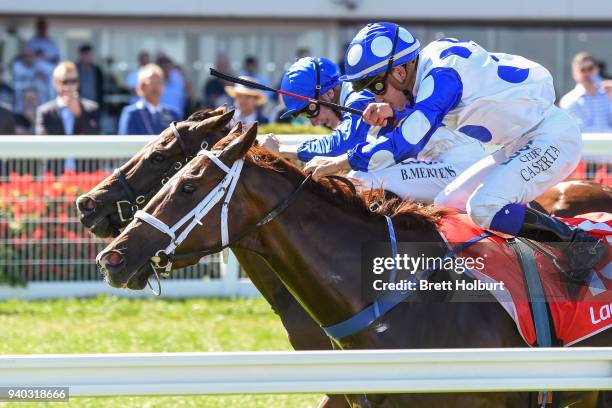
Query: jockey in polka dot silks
{"x":492,"y":97}
{"x":449,"y":155}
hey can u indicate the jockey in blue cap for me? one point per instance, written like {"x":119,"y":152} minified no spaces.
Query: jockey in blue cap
{"x":492,"y":97}
{"x":318,"y":78}
{"x":421,"y":180}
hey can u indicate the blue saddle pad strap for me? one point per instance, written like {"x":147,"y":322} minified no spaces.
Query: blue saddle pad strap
{"x":388,"y":300}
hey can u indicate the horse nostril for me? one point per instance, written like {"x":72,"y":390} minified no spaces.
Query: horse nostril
{"x":86,"y":205}
{"x":112,"y":259}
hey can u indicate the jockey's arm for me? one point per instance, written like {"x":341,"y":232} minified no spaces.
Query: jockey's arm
{"x":351,"y":131}
{"x":439,"y":92}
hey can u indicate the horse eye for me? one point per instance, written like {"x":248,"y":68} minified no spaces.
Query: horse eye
{"x":188,"y":188}
{"x":158,"y":158}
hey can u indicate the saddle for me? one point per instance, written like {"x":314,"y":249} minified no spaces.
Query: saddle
{"x":536,"y":293}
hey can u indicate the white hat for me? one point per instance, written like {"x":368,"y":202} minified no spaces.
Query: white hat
{"x":239,"y":89}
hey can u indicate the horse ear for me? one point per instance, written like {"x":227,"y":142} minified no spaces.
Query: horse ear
{"x":240,"y":145}
{"x":206,"y":113}
{"x":237,"y":129}
{"x":222,"y":120}
{"x":215,"y":122}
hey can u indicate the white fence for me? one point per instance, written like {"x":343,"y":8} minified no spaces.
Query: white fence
{"x":344,"y":372}
{"x":43,"y":242}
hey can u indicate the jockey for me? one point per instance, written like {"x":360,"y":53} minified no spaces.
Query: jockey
{"x":449,"y":155}
{"x":318,"y":78}
{"x":492,"y":97}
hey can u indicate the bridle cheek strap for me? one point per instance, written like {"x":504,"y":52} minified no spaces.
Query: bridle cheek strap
{"x":225,"y":188}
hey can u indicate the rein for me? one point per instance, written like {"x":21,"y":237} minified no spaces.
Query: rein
{"x":164,"y":258}
{"x":127,"y":208}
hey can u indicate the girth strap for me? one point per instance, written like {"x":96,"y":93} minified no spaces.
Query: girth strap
{"x":535,"y":290}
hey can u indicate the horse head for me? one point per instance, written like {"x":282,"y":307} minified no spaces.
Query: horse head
{"x":189,"y":199}
{"x":110,"y":205}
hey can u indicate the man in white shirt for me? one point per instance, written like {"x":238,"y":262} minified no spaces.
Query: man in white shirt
{"x":588,"y":102}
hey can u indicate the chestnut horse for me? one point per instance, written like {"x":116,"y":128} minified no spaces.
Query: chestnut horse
{"x":98,"y":210}
{"x":314,"y":249}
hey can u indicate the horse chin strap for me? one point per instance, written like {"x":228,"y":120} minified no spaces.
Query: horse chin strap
{"x":163,"y":258}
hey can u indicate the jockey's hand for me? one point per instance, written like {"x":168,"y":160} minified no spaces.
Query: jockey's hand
{"x":377,"y":114}
{"x":324,"y":166}
{"x":270,"y":142}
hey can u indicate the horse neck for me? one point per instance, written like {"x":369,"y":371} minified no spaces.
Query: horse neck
{"x":315,"y":248}
{"x":261,"y":275}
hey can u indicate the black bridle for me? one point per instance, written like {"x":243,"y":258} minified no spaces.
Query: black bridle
{"x":127,"y":208}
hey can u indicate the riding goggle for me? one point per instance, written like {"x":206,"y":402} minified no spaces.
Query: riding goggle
{"x":313,"y":109}
{"x":378,"y":84}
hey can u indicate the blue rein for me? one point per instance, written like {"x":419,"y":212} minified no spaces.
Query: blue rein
{"x":388,"y":300}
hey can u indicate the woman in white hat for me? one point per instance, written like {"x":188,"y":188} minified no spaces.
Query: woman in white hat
{"x":247,"y":102}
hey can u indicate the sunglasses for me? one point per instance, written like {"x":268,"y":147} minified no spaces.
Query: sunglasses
{"x":588,"y":68}
{"x":312,"y":110}
{"x":69,"y":81}
{"x":378,"y":84}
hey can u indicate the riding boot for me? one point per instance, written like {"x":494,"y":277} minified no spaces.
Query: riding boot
{"x":582,"y":250}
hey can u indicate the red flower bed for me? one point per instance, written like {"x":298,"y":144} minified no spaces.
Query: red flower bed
{"x":41,"y":237}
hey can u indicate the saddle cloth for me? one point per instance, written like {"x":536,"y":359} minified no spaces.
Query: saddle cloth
{"x":574,"y":317}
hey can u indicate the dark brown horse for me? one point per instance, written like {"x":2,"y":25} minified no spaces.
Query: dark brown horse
{"x":128,"y":188}
{"x":314,"y":247}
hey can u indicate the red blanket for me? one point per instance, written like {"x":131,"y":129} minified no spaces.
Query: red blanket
{"x":575,"y":317}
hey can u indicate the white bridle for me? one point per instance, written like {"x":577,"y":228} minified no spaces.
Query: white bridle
{"x":194,"y":217}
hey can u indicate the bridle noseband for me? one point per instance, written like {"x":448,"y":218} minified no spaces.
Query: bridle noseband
{"x":163,"y":259}
{"x":127,"y":208}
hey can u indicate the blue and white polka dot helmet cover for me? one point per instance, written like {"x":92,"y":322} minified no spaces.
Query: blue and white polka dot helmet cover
{"x":368,"y":53}
{"x":301,"y":79}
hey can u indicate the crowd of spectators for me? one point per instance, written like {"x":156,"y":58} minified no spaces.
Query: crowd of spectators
{"x":50,"y":95}
{"x":43,"y":93}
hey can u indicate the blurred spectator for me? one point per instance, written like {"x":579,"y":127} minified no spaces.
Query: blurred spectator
{"x":68,"y":114}
{"x":7,"y":122}
{"x":90,"y":75}
{"x":25,"y":120}
{"x":31,"y":72}
{"x":214,"y":90}
{"x":131,"y":81}
{"x":588,"y":102}
{"x":247,"y":102}
{"x":302,"y":52}
{"x":41,"y":42}
{"x":251,"y":69}
{"x":147,"y":116}
{"x":173,"y":94}
{"x":7,"y":93}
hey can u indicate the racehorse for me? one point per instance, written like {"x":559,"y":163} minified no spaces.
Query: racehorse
{"x":111,"y":204}
{"x":573,"y":197}
{"x":298,"y":244}
{"x":99,"y":210}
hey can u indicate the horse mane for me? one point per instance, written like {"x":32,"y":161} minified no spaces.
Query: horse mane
{"x":405,"y":213}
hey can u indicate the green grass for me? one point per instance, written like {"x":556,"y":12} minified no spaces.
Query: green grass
{"x":117,"y":325}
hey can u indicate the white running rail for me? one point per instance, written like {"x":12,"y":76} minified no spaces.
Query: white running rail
{"x":370,"y":371}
